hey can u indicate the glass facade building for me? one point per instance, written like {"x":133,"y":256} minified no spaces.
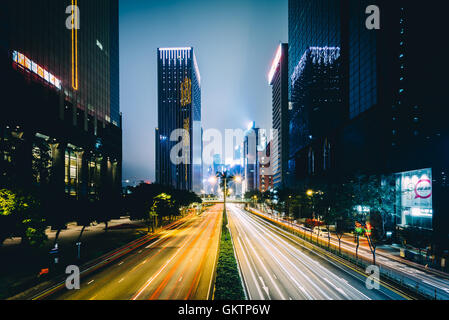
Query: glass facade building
{"x":389,"y":121}
{"x":61,"y":97}
{"x":312,"y":23}
{"x":179,"y":120}
{"x":278,"y":79}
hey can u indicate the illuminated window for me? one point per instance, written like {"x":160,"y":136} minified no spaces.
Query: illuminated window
{"x":71,"y":172}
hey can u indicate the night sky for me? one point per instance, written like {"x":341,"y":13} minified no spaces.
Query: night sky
{"x":235,"y":42}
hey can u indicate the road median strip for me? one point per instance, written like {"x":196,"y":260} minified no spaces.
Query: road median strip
{"x":228,"y":283}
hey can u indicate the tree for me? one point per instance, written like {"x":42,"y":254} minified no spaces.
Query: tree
{"x":30,"y":221}
{"x":42,"y":162}
{"x":341,"y":226}
{"x":7,"y":207}
{"x":374,"y":232}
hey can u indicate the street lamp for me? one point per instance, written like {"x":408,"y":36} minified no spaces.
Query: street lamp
{"x":238,"y":179}
{"x":310,"y":192}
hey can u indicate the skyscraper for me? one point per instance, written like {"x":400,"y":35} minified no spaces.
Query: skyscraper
{"x":61,"y":121}
{"x":278,"y":79}
{"x":389,"y":120}
{"x":179,"y":132}
{"x":251,"y":143}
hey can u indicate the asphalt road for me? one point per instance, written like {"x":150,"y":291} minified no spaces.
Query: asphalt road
{"x":179,"y":264}
{"x":277,"y":265}
{"x":429,"y":284}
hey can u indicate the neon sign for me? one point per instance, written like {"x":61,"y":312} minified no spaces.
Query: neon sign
{"x":423,"y":189}
{"x":74,"y":46}
{"x":30,"y":65}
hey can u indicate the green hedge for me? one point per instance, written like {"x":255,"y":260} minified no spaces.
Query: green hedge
{"x":228,"y":285}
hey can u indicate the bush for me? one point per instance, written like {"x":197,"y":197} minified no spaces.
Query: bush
{"x":228,"y":285}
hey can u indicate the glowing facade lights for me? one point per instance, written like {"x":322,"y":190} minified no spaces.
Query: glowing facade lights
{"x":33,"y":67}
{"x":186,"y":92}
{"x":75,"y":81}
{"x":275,"y":64}
{"x":182,"y":54}
{"x":317,"y":55}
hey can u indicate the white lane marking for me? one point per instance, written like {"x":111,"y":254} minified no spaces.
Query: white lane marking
{"x":265,"y":269}
{"x":121,"y":280}
{"x":336,"y":288}
{"x":121,"y":263}
{"x":265,"y":287}
{"x":140,"y":251}
{"x":91,"y":281}
{"x":251,"y":272}
{"x":180,"y":279}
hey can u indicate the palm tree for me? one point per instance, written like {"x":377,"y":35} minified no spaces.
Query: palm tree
{"x":224,"y":180}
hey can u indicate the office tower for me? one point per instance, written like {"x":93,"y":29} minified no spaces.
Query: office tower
{"x":315,"y":71}
{"x":278,"y":79}
{"x":316,"y":109}
{"x":61,"y":121}
{"x":391,"y":87}
{"x":251,"y":143}
{"x":395,"y":125}
{"x":179,"y":120}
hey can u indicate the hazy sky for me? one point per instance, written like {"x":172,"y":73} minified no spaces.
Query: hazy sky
{"x":235,"y":42}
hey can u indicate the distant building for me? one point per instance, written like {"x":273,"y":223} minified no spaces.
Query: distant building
{"x":250,"y":158}
{"x":278,"y":79}
{"x":179,"y":108}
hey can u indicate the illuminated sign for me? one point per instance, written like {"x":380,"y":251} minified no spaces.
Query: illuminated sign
{"x":414,"y":194}
{"x":275,"y":64}
{"x":33,"y":67}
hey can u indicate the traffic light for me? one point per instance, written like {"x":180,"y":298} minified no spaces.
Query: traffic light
{"x":358,"y":228}
{"x":368,"y":229}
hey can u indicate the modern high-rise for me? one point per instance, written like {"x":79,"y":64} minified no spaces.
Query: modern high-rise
{"x":60,"y":121}
{"x":389,"y":120}
{"x":179,"y":133}
{"x":316,"y":110}
{"x":278,"y":79}
{"x":251,"y":142}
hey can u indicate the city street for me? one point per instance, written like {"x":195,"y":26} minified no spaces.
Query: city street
{"x":428,"y":283}
{"x":276,"y":265}
{"x":180,"y":264}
